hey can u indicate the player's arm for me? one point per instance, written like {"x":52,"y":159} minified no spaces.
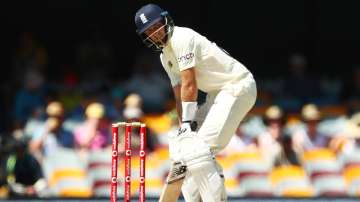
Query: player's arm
{"x":186,"y":95}
{"x":186,"y":91}
{"x":189,"y":90}
{"x":177,"y":95}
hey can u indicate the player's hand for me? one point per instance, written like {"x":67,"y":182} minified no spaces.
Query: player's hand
{"x":187,"y":127}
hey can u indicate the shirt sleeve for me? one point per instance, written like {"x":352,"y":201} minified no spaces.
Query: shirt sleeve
{"x":185,"y":52}
{"x":174,"y":78}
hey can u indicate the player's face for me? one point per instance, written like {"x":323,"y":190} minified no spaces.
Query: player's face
{"x":157,"y":33}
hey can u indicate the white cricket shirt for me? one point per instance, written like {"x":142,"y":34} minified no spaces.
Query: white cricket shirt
{"x":214,"y":68}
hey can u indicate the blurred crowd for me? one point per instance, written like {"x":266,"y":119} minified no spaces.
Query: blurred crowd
{"x":295,"y":113}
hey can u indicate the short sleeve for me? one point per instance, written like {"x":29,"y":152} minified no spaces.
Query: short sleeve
{"x":174,"y":78}
{"x":184,"y":50}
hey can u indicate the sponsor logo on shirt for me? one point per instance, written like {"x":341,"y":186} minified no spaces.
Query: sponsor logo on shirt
{"x":185,"y":57}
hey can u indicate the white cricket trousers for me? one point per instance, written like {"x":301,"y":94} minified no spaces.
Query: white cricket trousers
{"x":218,"y":119}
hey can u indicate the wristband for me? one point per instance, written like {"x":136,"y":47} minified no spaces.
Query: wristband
{"x":188,"y":110}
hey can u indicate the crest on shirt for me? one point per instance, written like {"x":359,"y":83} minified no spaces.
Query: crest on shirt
{"x":170,"y":64}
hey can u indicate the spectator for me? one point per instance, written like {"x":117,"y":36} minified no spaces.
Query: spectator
{"x":299,"y":86}
{"x":133,"y":107}
{"x":330,"y":89}
{"x":93,"y":133}
{"x":30,"y":97}
{"x":350,"y":140}
{"x":308,"y":137}
{"x":245,"y":138}
{"x":115,"y":108}
{"x":24,"y":174}
{"x":35,"y":121}
{"x":269,"y":140}
{"x":52,"y":135}
{"x":133,"y":113}
{"x":78,"y":113}
{"x":287,"y":154}
{"x":68,"y":92}
{"x":150,"y":84}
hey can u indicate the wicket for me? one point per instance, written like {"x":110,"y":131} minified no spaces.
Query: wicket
{"x":114,"y":162}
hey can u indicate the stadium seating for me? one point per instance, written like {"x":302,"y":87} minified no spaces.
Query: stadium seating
{"x":291,"y":181}
{"x":99,"y":166}
{"x":230,"y":174}
{"x":352,"y":178}
{"x":330,"y":186}
{"x":246,"y":173}
{"x":351,"y":171}
{"x":325,"y":172}
{"x":350,"y":159}
{"x":67,"y":175}
{"x":157,"y":168}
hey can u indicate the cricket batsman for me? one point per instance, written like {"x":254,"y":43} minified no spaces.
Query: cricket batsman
{"x":194,"y":63}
